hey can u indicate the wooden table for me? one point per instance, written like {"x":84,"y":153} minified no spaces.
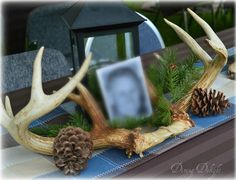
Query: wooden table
{"x":215,"y":147}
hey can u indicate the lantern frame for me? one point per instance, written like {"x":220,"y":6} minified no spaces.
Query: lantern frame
{"x":114,"y":18}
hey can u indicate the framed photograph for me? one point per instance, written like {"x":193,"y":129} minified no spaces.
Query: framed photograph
{"x":124,"y":90}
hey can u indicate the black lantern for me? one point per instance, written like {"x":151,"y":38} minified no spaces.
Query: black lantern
{"x":114,"y":21}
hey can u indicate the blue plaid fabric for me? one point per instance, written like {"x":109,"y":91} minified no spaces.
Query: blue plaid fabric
{"x":112,"y":162}
{"x":66,"y":108}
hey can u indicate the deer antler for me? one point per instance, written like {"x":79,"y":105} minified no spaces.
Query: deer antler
{"x":212,"y":66}
{"x":39,"y":105}
{"x":103,"y":135}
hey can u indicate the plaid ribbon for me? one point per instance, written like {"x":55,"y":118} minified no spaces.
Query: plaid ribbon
{"x":110,"y":162}
{"x":104,"y":163}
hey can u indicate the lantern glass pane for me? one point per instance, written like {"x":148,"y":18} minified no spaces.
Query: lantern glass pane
{"x":108,"y":49}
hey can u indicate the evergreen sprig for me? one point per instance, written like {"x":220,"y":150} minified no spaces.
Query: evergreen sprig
{"x":128,"y":123}
{"x":161,"y":113}
{"x":172,"y":81}
{"x":51,"y":130}
{"x":173,"y":77}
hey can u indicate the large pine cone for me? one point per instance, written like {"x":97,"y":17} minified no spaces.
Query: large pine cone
{"x":71,"y":150}
{"x":205,"y":103}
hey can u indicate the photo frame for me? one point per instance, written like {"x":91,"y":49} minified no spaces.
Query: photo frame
{"x":124,"y":90}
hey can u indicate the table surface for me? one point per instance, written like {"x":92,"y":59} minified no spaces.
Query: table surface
{"x":215,"y":148}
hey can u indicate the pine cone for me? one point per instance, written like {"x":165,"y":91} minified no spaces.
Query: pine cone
{"x":205,"y":103}
{"x":71,"y":150}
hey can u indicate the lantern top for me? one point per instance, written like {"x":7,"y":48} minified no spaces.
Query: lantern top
{"x":95,"y":15}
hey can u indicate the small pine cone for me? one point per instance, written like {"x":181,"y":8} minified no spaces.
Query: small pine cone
{"x":205,"y":103}
{"x":71,"y":149}
{"x":172,"y":66}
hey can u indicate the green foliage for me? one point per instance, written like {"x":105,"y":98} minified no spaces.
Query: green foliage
{"x":223,"y":19}
{"x":76,"y":120}
{"x":161,"y":113}
{"x":171,"y":80}
{"x":169,"y":76}
{"x":128,"y":123}
{"x":184,"y":77}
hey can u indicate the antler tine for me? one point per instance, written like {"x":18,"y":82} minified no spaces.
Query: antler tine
{"x":8,"y":107}
{"x":6,"y":112}
{"x":61,"y":94}
{"x":47,"y":102}
{"x":214,"y":41}
{"x":5,"y":118}
{"x":92,"y":108}
{"x":37,"y":89}
{"x":193,"y":45}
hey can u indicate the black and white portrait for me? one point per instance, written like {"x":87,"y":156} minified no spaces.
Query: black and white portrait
{"x":124,"y":90}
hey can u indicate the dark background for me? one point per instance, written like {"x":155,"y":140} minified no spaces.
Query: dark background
{"x":15,"y":16}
